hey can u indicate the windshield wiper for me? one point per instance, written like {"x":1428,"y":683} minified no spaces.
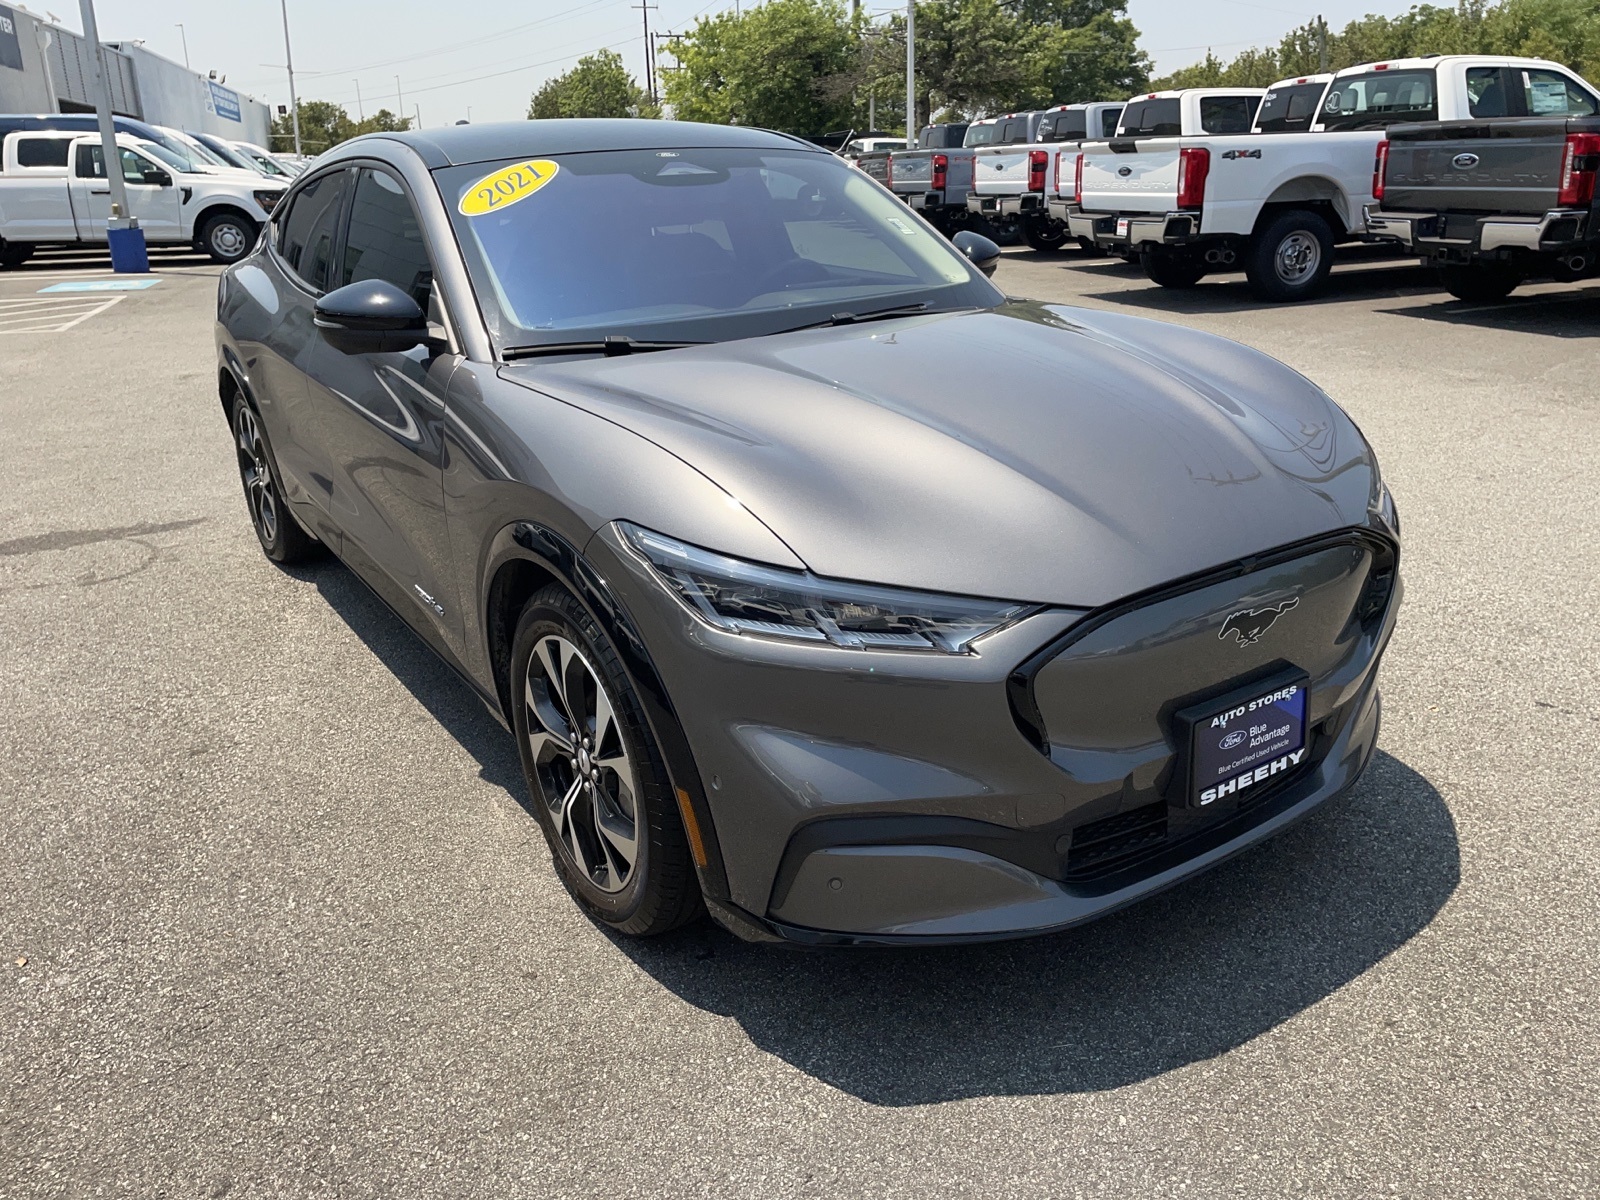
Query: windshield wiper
{"x":873,"y":314}
{"x":611,"y":345}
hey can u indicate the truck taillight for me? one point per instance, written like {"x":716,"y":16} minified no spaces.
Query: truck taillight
{"x":1578,"y":168}
{"x":1380,"y":170}
{"x":1037,"y":160}
{"x":1077,"y":181}
{"x":941,"y":171}
{"x":1055,"y":177}
{"x":1194,"y":164}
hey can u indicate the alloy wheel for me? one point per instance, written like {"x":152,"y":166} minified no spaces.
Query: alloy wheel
{"x":1298,"y":257}
{"x":256,"y":471}
{"x":586,"y":773}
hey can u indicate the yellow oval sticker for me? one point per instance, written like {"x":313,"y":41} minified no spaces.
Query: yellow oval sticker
{"x":506,"y":187}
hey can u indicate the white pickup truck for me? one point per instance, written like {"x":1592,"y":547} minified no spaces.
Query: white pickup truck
{"x":1189,"y":198}
{"x":54,"y":191}
{"x":1016,"y":180}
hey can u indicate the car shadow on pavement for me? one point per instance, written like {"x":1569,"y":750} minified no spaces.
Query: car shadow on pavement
{"x":1568,"y":314}
{"x":1175,"y":980}
{"x":448,"y":698}
{"x":1230,"y":293}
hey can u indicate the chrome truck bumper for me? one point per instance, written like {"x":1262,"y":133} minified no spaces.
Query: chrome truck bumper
{"x":1108,"y":230}
{"x":1005,"y":205}
{"x":1466,"y":234}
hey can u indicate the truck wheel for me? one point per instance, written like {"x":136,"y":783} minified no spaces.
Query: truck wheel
{"x":227,"y":237}
{"x":1290,"y":259}
{"x":1172,"y":270}
{"x":1041,"y":234}
{"x":1479,"y":285}
{"x":14,"y":254}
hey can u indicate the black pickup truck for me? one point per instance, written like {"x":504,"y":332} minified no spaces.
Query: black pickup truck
{"x":1491,"y":203}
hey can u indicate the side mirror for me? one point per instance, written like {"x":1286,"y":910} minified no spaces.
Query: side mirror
{"x":159,"y":178}
{"x":371,"y":317}
{"x":979,"y":250}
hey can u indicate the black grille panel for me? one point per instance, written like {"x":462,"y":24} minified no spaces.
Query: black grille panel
{"x":1104,"y":846}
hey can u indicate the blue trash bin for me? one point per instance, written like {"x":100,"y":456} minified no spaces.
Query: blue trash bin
{"x":128,"y":255}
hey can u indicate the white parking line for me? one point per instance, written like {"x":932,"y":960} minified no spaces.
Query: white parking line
{"x":56,"y":317}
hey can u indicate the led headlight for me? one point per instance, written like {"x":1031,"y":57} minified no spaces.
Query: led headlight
{"x":745,"y":597}
{"x":269,"y":197}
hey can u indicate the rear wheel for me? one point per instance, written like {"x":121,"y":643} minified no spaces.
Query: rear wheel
{"x":1290,"y":259}
{"x":227,"y":236}
{"x":1172,"y":270}
{"x":1041,"y":233}
{"x":595,"y":774}
{"x":1479,"y":285}
{"x":279,"y":532}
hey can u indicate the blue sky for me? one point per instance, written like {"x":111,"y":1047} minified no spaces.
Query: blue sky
{"x":492,"y":54}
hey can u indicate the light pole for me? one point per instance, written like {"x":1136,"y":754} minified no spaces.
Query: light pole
{"x":185,"y":37}
{"x":911,"y":74}
{"x":124,"y":238}
{"x":361,"y":114}
{"x":288,"y":58}
{"x":418,"y":109}
{"x":400,"y":98}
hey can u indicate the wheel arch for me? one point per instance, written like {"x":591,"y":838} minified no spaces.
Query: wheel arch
{"x":525,"y":556}
{"x":1312,"y":193}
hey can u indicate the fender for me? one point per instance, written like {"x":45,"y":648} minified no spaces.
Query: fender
{"x":548,"y":550}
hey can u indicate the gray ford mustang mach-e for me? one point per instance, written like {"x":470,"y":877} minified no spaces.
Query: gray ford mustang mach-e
{"x":822,"y":586}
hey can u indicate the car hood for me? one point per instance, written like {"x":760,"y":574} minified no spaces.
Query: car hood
{"x":1029,"y":452}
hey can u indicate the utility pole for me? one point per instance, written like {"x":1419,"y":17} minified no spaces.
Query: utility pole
{"x":644,"y":8}
{"x":361,"y":113}
{"x":1322,"y":44}
{"x":288,"y":59}
{"x":911,"y":74}
{"x":418,"y":108}
{"x":184,"y":35}
{"x":124,"y":238}
{"x":400,"y":98}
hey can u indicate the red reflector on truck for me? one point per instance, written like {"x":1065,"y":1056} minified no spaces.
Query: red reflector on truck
{"x":1578,"y":166}
{"x":1194,"y":164}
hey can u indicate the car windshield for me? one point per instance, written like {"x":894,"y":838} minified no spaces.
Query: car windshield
{"x":167,"y":156}
{"x":982,"y":135}
{"x":231,"y":157}
{"x":1380,"y":98}
{"x":691,"y":245}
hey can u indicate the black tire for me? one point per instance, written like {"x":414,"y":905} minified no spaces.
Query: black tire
{"x":1172,"y":270}
{"x":1479,"y":285}
{"x":227,"y":236}
{"x":588,"y":822}
{"x":280,"y":533}
{"x":1043,"y":234}
{"x":14,"y":254}
{"x":1290,"y":258}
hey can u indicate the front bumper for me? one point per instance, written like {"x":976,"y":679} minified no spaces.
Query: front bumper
{"x":874,"y":797}
{"x":1462,"y":237}
{"x":1134,"y":230}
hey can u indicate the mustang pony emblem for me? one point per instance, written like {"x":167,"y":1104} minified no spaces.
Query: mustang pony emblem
{"x":1248,"y":624}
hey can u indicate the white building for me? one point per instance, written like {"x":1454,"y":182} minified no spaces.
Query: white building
{"x":45,"y":69}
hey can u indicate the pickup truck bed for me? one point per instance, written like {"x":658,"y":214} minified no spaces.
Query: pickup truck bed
{"x":1493,"y":202}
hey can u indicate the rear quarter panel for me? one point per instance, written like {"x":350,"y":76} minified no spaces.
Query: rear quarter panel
{"x":1250,"y":171}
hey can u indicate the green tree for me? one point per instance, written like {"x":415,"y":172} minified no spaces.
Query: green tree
{"x":324,"y":124}
{"x":598,"y":86}
{"x":777,"y":66}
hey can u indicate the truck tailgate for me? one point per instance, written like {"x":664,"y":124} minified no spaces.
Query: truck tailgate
{"x":913,"y":170}
{"x":1001,"y":172}
{"x":1511,"y":166}
{"x":876,"y":165}
{"x":1143,"y":181}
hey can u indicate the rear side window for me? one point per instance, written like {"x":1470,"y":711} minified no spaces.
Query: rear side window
{"x":981,"y":135}
{"x":1550,"y":93}
{"x":1151,"y":118}
{"x":43,"y":151}
{"x":1013,"y":132}
{"x":1380,"y":98}
{"x":311,"y":226}
{"x":1064,"y":127}
{"x":1289,"y":109}
{"x":1486,"y":92}
{"x":1227,"y":114}
{"x":1108,"y":122}
{"x":385,"y":239}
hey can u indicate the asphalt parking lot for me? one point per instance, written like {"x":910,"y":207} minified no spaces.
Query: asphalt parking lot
{"x":273,"y":922}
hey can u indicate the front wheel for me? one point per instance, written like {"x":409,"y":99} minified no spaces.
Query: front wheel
{"x":1478,"y":285}
{"x":1043,"y":234}
{"x":1290,"y":259}
{"x":279,"y":532}
{"x":1172,"y":270}
{"x":227,"y":237}
{"x":595,"y":774}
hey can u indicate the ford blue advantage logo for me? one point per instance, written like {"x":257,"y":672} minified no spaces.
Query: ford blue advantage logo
{"x":1464,"y":162}
{"x":1236,"y":738}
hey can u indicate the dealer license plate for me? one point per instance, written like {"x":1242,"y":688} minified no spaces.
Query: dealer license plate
{"x":1251,"y":740}
{"x":1122,"y":227}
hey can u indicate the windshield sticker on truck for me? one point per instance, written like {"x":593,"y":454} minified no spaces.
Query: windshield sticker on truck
{"x":507,"y":186}
{"x":905,"y":229}
{"x":1546,"y":96}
